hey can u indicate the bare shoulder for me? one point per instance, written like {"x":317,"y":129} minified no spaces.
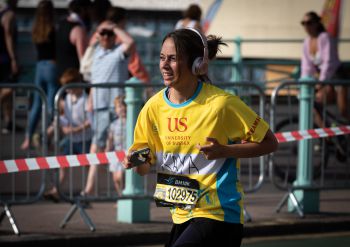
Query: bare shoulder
{"x":7,"y":18}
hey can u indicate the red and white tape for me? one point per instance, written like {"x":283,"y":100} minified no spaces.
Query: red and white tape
{"x":312,"y":133}
{"x":64,"y":161}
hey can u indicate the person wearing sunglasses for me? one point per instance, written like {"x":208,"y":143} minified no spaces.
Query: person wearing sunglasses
{"x":118,"y":16}
{"x":109,"y":65}
{"x":320,"y":60}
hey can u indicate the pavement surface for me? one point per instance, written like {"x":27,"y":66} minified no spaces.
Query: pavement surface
{"x":39,"y":222}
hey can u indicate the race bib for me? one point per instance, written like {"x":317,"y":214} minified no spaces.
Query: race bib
{"x":174,"y":190}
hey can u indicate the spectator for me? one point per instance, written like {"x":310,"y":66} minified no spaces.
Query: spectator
{"x":78,"y":120}
{"x":43,"y":36}
{"x":117,"y":141}
{"x":191,"y":18}
{"x":75,"y":124}
{"x":72,"y":36}
{"x":9,"y":69}
{"x":110,"y":65}
{"x":117,"y":15}
{"x":320,"y":60}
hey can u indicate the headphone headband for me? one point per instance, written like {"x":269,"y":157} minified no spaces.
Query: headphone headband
{"x":201,"y":67}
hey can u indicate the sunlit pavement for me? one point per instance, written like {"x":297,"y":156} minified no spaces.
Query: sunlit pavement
{"x":39,"y":223}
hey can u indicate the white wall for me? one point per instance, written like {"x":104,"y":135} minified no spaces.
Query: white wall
{"x":264,"y":19}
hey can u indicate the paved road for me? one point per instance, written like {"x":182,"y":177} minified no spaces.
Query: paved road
{"x":320,"y":240}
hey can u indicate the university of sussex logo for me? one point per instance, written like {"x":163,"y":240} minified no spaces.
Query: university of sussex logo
{"x":177,"y":124}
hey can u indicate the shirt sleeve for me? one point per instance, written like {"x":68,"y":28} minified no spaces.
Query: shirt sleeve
{"x":63,"y":121}
{"x":143,"y":134}
{"x":325,"y":50}
{"x":119,"y":53}
{"x":242,"y":123}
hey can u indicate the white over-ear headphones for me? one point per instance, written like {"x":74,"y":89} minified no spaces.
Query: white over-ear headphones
{"x":200,"y":64}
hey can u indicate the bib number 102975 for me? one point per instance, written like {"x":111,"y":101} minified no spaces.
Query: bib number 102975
{"x":181,"y":195}
{"x":174,"y":190}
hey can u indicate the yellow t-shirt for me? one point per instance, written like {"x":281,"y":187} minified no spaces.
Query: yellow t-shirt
{"x":172,"y":131}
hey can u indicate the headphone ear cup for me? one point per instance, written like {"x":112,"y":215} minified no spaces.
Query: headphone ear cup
{"x":196,"y":65}
{"x":199,"y":67}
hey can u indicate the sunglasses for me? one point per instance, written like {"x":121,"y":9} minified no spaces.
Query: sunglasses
{"x":109,"y":33}
{"x":307,"y":23}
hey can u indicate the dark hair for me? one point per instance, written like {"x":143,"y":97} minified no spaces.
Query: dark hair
{"x":70,"y":75}
{"x":116,"y":14}
{"x":99,"y":9}
{"x":12,"y":4}
{"x":193,"y":12}
{"x":189,"y":45}
{"x":119,"y":100}
{"x":43,"y":22}
{"x":78,"y":6}
{"x":314,"y":17}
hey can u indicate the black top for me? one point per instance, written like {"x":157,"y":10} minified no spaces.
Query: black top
{"x":47,"y":50}
{"x":4,"y":56}
{"x":66,"y":53}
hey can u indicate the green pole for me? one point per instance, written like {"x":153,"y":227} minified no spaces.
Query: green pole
{"x":308,"y":198}
{"x":237,"y":61}
{"x":133,"y":210}
{"x":236,"y":74}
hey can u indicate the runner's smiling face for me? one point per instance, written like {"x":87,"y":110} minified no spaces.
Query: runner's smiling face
{"x":173,"y":68}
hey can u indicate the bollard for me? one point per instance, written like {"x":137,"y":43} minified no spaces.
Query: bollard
{"x":308,"y":198}
{"x":133,"y":210}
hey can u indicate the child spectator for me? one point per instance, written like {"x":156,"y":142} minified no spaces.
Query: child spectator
{"x":75,"y":124}
{"x":117,"y":141}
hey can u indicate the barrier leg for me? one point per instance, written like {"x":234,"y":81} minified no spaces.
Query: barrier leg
{"x":282,"y":202}
{"x":296,"y":204}
{"x":83,"y":214}
{"x":12,"y":220}
{"x":68,"y":215}
{"x":247,"y":217}
{"x":293,"y":200}
{"x":86,"y":218}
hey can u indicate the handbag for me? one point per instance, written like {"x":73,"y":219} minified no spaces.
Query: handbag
{"x":86,"y":62}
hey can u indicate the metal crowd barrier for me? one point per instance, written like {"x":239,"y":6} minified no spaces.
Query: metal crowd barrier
{"x":330,"y":169}
{"x":24,"y":187}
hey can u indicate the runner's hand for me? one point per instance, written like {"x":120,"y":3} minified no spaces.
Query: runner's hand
{"x":213,"y":150}
{"x":126,"y":163}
